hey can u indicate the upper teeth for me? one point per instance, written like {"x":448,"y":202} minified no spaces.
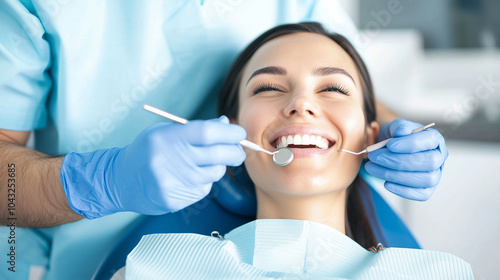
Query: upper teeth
{"x":306,"y":139}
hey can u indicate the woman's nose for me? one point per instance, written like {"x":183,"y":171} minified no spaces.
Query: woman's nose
{"x":303,"y":106}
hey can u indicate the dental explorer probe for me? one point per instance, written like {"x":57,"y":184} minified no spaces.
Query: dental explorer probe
{"x":281,"y":157}
{"x":382,"y":144}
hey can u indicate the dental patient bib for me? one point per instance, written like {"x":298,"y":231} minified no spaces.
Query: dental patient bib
{"x":283,"y":249}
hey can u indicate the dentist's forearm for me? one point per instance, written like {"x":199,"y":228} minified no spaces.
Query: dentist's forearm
{"x":31,"y":192}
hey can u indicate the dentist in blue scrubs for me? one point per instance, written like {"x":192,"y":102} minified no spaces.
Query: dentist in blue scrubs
{"x":75,"y":74}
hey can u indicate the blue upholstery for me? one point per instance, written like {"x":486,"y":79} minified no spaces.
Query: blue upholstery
{"x":230,"y":204}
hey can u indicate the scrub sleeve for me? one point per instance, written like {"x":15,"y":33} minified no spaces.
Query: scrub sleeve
{"x":24,"y":88}
{"x":24,"y":85}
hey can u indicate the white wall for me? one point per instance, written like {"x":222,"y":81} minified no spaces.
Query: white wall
{"x":462,"y":216}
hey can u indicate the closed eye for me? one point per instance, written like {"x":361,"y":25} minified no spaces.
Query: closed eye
{"x":336,"y":88}
{"x":266,"y":87}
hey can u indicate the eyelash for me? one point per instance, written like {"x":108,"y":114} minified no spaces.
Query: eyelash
{"x":337,"y":87}
{"x":331,"y":87}
{"x":266,"y":87}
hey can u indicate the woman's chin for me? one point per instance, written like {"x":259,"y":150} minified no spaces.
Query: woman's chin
{"x":310,"y":163}
{"x":309,"y":176}
{"x":304,"y":190}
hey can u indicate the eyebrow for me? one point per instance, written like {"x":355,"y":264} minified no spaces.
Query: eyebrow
{"x":323,"y":71}
{"x":275,"y":70}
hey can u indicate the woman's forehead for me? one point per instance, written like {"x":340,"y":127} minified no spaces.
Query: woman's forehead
{"x":301,"y":50}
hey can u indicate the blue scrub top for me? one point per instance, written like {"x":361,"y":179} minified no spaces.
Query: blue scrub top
{"x":78,"y":72}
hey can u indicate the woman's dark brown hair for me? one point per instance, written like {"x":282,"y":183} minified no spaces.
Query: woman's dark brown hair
{"x":358,"y":225}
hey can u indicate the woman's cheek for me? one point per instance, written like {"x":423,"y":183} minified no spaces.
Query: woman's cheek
{"x":252,"y":117}
{"x":351,"y":122}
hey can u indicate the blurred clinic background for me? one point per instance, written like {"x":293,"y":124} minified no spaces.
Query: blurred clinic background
{"x":439,"y":61}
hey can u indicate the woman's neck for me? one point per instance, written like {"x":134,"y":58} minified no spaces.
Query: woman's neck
{"x":328,"y":209}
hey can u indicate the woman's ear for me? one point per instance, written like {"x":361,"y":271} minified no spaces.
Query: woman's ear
{"x":372,"y":131}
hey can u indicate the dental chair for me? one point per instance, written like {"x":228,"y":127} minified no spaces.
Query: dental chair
{"x":232,"y":203}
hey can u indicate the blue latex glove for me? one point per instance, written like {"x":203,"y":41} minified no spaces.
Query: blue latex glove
{"x":411,"y":164}
{"x":166,"y":168}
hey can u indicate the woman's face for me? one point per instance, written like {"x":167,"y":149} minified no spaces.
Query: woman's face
{"x":303,"y":91}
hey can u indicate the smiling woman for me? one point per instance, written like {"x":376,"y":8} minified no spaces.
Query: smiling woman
{"x":300,"y":87}
{"x":297,"y":86}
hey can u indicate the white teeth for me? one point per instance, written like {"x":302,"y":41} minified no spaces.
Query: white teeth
{"x":283,"y":142}
{"x":313,"y":140}
{"x":297,"y":140}
{"x":323,"y":144}
{"x":305,"y":140}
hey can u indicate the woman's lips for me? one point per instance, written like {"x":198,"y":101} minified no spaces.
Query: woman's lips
{"x":308,"y":152}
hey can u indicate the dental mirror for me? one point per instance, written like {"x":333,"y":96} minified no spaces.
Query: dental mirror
{"x":283,"y":156}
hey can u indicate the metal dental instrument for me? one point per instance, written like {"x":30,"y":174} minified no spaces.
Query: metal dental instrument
{"x":382,"y":144}
{"x":281,"y":157}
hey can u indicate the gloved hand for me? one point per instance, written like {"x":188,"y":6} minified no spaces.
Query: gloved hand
{"x":411,"y":164}
{"x":166,"y":168}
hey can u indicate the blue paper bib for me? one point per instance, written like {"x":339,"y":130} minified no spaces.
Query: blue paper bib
{"x":283,"y":249}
